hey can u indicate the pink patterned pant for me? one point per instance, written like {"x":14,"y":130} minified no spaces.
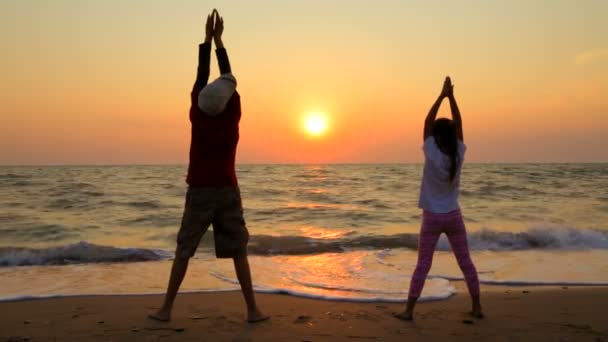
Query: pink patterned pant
{"x":452,"y":225}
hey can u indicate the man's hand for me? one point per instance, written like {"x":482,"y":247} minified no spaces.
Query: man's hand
{"x":219,"y":29}
{"x":209,"y":28}
{"x":448,"y":88}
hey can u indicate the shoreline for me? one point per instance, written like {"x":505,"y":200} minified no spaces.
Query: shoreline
{"x":489,"y":287}
{"x":520,"y":313}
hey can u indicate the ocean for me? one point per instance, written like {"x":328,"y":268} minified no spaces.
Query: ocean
{"x":338,"y":232}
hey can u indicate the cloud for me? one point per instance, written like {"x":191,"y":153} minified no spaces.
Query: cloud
{"x":591,"y":56}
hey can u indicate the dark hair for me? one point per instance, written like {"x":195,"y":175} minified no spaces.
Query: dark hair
{"x":446,"y":138}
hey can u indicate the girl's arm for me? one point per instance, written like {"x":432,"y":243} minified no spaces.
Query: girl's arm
{"x":430,"y":118}
{"x":456,"y":114}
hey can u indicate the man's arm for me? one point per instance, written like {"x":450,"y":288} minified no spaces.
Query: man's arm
{"x":204,"y":58}
{"x":223,"y":61}
{"x":220,"y":52}
{"x":202,"y":73}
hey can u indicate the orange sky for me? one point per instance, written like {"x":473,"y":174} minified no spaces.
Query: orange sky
{"x":107,"y":82}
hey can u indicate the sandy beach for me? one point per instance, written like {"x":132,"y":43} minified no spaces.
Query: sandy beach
{"x":513,"y":314}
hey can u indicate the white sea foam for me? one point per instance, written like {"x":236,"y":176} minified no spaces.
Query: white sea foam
{"x":351,"y":276}
{"x":436,"y":289}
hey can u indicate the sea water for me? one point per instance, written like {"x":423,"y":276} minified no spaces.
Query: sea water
{"x":342,"y":232}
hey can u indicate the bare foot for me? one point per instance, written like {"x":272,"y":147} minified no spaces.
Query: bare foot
{"x":477,"y":313}
{"x":162,"y":315}
{"x":256,"y":316}
{"x":405,"y":316}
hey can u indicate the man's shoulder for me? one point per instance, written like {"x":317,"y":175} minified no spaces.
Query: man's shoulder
{"x":235,"y":100}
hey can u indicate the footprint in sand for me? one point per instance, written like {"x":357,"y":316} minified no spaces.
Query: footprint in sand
{"x":302,"y":319}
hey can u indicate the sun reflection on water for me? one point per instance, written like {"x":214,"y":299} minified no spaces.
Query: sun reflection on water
{"x":322,"y":233}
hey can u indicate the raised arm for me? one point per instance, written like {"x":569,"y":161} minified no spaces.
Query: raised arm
{"x":220,"y":52}
{"x":204,"y":56}
{"x":430,"y":117}
{"x":455,"y":112}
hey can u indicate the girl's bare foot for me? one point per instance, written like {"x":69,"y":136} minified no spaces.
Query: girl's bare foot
{"x":477,"y":313}
{"x":405,"y":316}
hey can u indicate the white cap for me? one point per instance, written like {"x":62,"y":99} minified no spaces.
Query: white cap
{"x":213,"y":98}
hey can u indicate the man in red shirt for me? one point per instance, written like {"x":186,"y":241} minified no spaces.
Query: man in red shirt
{"x":213,"y":195}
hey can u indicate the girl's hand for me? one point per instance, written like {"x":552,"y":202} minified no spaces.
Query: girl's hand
{"x":448,"y":88}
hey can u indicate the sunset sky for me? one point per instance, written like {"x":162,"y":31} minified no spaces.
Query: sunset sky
{"x":108,"y":82}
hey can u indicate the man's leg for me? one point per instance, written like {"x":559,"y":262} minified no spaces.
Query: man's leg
{"x":178,"y":271}
{"x":198,"y":213}
{"x":243,"y":273}
{"x":231,"y":236}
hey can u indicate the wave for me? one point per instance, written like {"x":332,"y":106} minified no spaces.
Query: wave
{"x":68,"y":203}
{"x":137,"y":204}
{"x":11,"y":179}
{"x":267,"y":245}
{"x":299,"y":245}
{"x":93,"y":294}
{"x":523,"y":282}
{"x":264,"y":192}
{"x":81,"y":186}
{"x":447,"y":293}
{"x":485,"y":239}
{"x":320,"y":195}
{"x":37,"y":232}
{"x":490,"y":189}
{"x":151,"y":204}
{"x":10,"y":217}
{"x":360,"y":295}
{"x":156,"y":220}
{"x":540,"y":238}
{"x":348,"y":214}
{"x":373,"y":203}
{"x":12,"y":176}
{"x":363,"y":299}
{"x":82,"y":252}
{"x":348,"y":288}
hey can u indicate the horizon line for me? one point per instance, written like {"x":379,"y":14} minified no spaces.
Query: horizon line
{"x":295,"y":164}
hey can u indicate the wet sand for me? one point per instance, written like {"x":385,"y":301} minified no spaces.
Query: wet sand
{"x":512,"y":314}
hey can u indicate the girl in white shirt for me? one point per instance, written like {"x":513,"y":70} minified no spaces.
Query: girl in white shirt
{"x":444,"y":150}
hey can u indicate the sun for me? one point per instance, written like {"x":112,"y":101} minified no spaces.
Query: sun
{"x":315,"y":124}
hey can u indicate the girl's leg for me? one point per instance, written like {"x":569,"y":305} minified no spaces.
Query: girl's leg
{"x":429,"y":234}
{"x":457,"y":237}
